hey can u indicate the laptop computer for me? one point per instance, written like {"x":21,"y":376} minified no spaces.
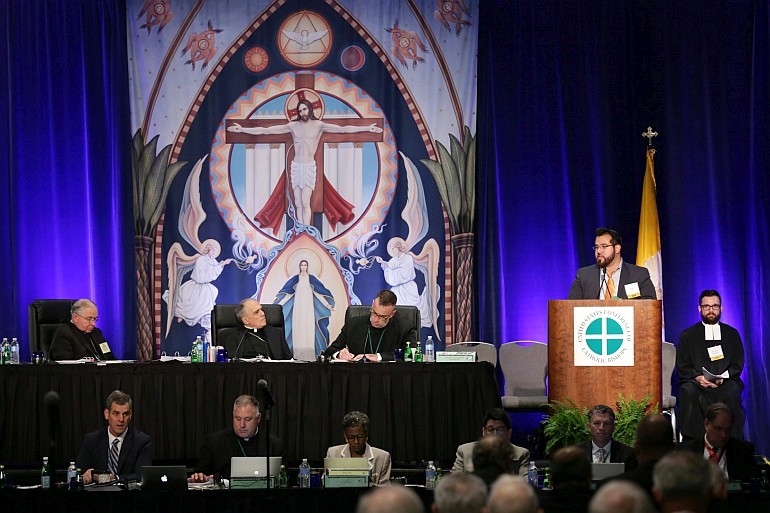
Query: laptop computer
{"x":254,"y":466}
{"x":173,"y":477}
{"x":601,"y":471}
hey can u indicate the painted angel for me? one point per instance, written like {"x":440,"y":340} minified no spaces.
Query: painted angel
{"x":400,"y":270}
{"x":191,"y":301}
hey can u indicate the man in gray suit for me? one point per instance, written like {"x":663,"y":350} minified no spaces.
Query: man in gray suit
{"x":611,"y":277}
{"x":355,"y":428}
{"x":496,"y":423}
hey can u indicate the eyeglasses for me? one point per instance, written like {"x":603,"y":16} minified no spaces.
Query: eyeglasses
{"x":491,"y":430}
{"x":710,"y":307}
{"x":597,"y":247}
{"x":356,"y":438}
{"x":380,"y":317}
{"x":89,"y":320}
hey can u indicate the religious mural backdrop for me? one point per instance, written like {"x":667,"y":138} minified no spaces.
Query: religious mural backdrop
{"x":303,"y":153}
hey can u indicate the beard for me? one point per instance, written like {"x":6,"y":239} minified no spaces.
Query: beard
{"x":710,"y":318}
{"x":605,"y":262}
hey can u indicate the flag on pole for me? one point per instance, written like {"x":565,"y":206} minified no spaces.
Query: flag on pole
{"x":648,"y":247}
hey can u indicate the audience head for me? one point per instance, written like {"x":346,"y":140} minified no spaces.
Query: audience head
{"x":601,"y":424}
{"x":621,"y":497}
{"x":388,"y":499}
{"x":512,"y":494}
{"x":459,"y":492}
{"x":496,"y":423}
{"x":654,"y":437}
{"x":118,"y":410}
{"x":570,"y":467}
{"x":250,"y":313}
{"x":355,"y":429}
{"x":718,"y":422}
{"x":383,"y":308}
{"x":246,"y":416}
{"x":682,"y":480}
{"x":492,"y":457}
{"x":84,"y":315}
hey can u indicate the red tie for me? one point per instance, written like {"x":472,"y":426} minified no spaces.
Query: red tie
{"x":713,"y":454}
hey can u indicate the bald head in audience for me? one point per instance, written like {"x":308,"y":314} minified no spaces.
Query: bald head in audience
{"x":682,"y":481}
{"x":512,"y":494}
{"x":389,"y":499}
{"x":620,"y":497}
{"x":459,"y":492}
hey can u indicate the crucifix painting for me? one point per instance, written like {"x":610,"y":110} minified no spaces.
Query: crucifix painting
{"x":304,"y":135}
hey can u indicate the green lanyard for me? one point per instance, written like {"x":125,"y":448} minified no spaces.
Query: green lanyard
{"x":369,"y":338}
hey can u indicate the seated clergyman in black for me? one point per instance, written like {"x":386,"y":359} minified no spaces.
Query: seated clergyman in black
{"x":376,"y":337}
{"x":244,"y":438}
{"x":80,"y":338}
{"x":255,"y":337}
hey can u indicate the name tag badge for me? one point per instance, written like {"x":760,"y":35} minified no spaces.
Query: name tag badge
{"x":105,"y":347}
{"x":715,"y":353}
{"x":632,"y":290}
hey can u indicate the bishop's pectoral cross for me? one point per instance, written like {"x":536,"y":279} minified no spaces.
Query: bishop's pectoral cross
{"x":324,"y":196}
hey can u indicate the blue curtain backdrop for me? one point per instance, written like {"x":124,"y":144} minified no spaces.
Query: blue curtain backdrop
{"x":570,"y":87}
{"x":66,"y":164}
{"x":566,"y":88}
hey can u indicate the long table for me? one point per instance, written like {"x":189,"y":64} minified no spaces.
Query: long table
{"x":417,"y":411}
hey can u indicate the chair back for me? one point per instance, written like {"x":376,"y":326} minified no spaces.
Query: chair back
{"x":669,"y":363}
{"x":485,"y":352}
{"x":525,"y":367}
{"x":407,"y":313}
{"x":45,"y":316}
{"x":223,"y":318}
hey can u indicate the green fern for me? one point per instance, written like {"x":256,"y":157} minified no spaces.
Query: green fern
{"x":567,"y":425}
{"x":628,"y":414}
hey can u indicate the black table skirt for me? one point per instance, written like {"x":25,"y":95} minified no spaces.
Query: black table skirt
{"x":417,"y":411}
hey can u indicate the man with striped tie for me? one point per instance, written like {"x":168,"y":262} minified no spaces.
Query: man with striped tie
{"x":120,"y":450}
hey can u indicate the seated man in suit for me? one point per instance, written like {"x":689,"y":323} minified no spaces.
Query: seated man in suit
{"x":611,"y":276}
{"x":601,"y":448}
{"x":244,"y":438}
{"x":255,"y":337}
{"x":495,"y":423}
{"x":373,"y":338}
{"x":734,"y":457}
{"x":80,"y":338}
{"x":119,"y":449}
{"x":355,"y":430}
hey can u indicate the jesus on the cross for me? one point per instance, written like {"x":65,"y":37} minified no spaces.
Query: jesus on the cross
{"x":306,"y":132}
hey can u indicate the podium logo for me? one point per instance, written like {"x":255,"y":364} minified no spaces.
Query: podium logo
{"x":604,"y":336}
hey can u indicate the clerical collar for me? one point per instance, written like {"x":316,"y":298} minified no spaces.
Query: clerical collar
{"x":712,"y":331}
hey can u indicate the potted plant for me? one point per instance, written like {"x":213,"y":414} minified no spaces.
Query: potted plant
{"x":568,"y":423}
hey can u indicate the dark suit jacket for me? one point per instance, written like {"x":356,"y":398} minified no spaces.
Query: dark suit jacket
{"x":740,"y":457}
{"x":588,"y":280}
{"x":619,"y":453}
{"x":251,"y":345}
{"x":219,"y":447}
{"x":136,"y":451}
{"x":641,"y":475}
{"x":69,"y":343}
{"x":356,"y":332}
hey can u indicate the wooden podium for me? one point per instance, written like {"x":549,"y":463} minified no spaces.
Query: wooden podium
{"x":599,"y":383}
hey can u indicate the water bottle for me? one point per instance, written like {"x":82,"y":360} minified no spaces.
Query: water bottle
{"x":15,"y":351}
{"x":418,"y":353}
{"x":430,"y":476}
{"x":2,"y":477}
{"x":45,"y":474}
{"x":304,"y":474}
{"x":532,"y":474}
{"x":206,"y":351}
{"x":196,"y":355}
{"x":79,"y":479}
{"x":408,"y":353}
{"x":72,"y":476}
{"x":5,"y":353}
{"x":283,"y":478}
{"x":430,"y":350}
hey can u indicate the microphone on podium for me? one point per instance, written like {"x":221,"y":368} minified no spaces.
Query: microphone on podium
{"x":601,"y":284}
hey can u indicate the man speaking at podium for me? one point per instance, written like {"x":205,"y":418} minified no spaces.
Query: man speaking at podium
{"x":611,"y":277}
